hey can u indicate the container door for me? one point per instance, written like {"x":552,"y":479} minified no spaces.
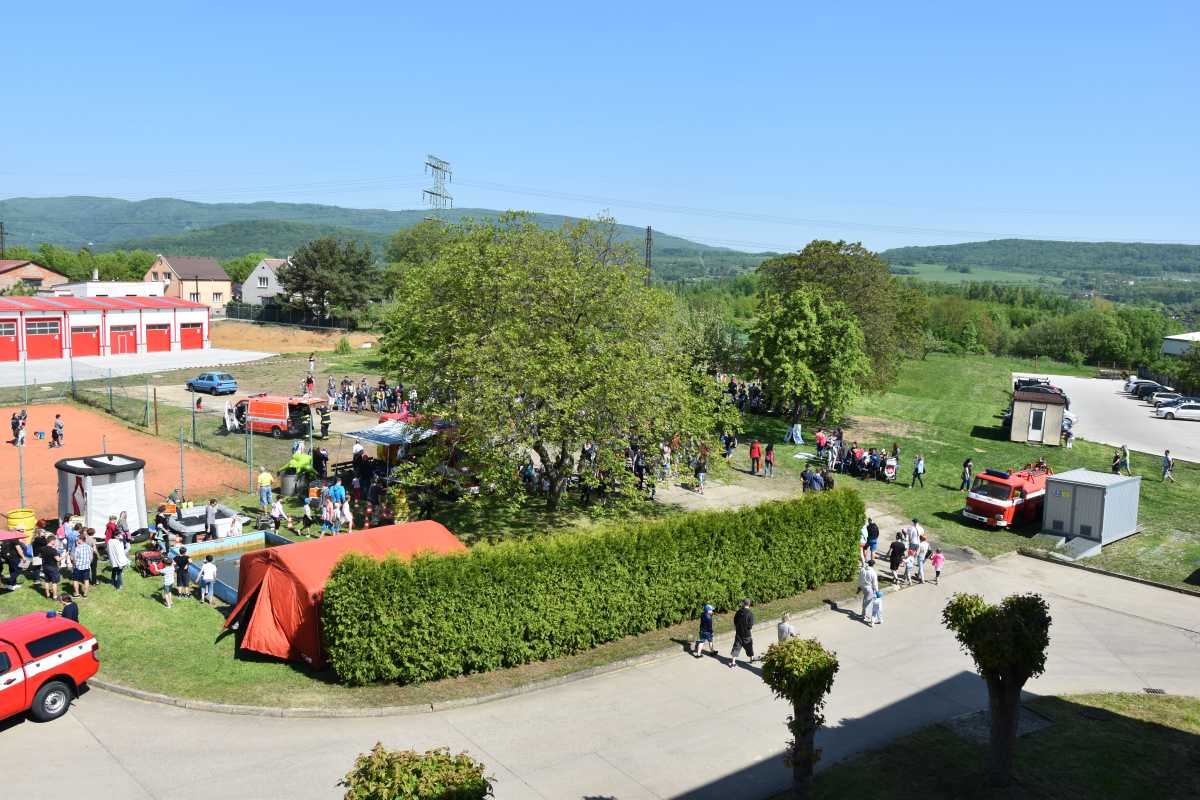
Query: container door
{"x":43,"y":338}
{"x":1089,"y":511}
{"x":191,"y":336}
{"x":85,"y":341}
{"x":158,"y":338}
{"x":1037,"y":421}
{"x":12,"y":682}
{"x":10,"y":349}
{"x":122,"y":339}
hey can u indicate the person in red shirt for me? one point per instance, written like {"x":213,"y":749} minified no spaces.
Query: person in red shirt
{"x":110,"y":530}
{"x":755,"y":457}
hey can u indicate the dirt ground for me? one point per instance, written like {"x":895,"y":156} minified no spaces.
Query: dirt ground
{"x":241,"y":335}
{"x":86,"y":434}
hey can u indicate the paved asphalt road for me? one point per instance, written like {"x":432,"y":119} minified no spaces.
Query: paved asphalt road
{"x":675,"y":727}
{"x":59,"y":370}
{"x":1109,"y":416}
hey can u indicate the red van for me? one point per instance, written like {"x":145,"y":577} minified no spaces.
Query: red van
{"x":44,"y":661}
{"x":280,"y":416}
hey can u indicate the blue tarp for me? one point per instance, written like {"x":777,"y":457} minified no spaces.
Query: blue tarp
{"x":392,"y":433}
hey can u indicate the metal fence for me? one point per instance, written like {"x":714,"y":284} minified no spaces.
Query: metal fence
{"x":281,"y":315}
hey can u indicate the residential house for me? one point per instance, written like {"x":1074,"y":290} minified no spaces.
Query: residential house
{"x":262,"y":283}
{"x":17,"y":271}
{"x":197,"y":279}
{"x":1180,"y":343}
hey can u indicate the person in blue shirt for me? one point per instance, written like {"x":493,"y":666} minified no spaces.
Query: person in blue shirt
{"x":337,"y":493}
{"x":706,"y":632}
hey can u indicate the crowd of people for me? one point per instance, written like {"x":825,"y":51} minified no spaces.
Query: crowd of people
{"x":19,"y":423}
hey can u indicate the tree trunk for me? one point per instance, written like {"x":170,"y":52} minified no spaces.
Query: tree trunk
{"x":1004,"y":703}
{"x":804,"y":756}
{"x":557,"y":470}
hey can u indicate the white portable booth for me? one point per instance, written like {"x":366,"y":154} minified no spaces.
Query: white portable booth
{"x":95,"y":487}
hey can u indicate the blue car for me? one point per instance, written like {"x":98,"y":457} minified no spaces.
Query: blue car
{"x":213,"y":383}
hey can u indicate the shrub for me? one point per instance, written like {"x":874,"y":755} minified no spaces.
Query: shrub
{"x":343,"y":347}
{"x":408,"y":775}
{"x":517,"y":602}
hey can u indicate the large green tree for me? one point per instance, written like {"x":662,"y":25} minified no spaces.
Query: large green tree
{"x":1008,"y":643}
{"x":330,"y":276}
{"x":887,"y":313}
{"x":808,"y":350}
{"x":414,"y":246}
{"x":801,"y":672}
{"x":543,"y":341}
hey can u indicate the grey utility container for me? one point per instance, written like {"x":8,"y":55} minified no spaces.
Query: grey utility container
{"x":1092,"y":505}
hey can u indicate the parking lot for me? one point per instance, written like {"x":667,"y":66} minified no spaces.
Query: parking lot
{"x":1109,"y":416}
{"x":60,"y":370}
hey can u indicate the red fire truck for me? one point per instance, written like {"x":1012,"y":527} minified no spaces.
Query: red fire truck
{"x":1004,"y":499}
{"x":44,"y":660}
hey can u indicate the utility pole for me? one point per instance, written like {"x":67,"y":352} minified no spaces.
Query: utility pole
{"x":649,"y":258}
{"x":1,"y":240}
{"x":436,"y":197}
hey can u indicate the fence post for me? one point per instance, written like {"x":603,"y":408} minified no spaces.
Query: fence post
{"x":21,"y":470}
{"x":146,"y":415}
{"x":182,"y":481}
{"x":74,"y":395}
{"x":193,"y":404}
{"x":110,"y":400}
{"x":156,"y":411}
{"x":25,"y":378}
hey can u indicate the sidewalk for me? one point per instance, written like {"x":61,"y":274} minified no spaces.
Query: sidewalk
{"x":676,"y":727}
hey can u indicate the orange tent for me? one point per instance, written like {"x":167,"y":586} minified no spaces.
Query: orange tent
{"x":280,"y":588}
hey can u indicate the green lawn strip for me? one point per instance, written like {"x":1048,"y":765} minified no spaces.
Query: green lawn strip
{"x":180,"y":651}
{"x":1145,"y":747}
{"x":947,"y":408}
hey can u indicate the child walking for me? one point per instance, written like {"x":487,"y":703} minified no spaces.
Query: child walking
{"x":706,"y":632}
{"x":938,"y":560}
{"x":168,"y":576}
{"x":909,"y":564}
{"x":877,"y":609}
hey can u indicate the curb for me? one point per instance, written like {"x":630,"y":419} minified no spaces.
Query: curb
{"x":1050,"y":558}
{"x":409,"y":710}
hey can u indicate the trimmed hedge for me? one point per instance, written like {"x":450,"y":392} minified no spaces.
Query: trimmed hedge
{"x":499,"y":606}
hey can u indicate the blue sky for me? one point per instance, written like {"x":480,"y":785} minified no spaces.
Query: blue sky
{"x":753,"y":125}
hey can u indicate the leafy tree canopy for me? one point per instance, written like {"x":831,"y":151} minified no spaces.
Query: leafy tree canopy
{"x":1006,"y":641}
{"x":801,"y":672}
{"x":327,"y":276}
{"x":238,"y":269}
{"x":544,"y":341}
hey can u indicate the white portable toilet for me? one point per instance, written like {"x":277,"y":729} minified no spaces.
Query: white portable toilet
{"x":1095,"y":508}
{"x":95,"y":487}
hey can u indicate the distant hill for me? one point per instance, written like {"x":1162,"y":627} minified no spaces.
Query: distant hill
{"x":1047,"y":257}
{"x":226,"y":230}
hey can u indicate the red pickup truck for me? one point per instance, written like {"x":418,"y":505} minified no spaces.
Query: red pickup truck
{"x":44,"y":660}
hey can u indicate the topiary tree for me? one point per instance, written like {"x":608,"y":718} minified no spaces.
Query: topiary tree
{"x":407,"y":775}
{"x":801,"y":671}
{"x":1008,"y":643}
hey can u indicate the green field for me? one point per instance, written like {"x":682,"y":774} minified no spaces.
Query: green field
{"x":948,"y":408}
{"x":1114,"y":746}
{"x":937,"y":273}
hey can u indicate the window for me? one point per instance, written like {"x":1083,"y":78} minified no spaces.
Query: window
{"x":263,"y":281}
{"x":194,"y":297}
{"x":34,"y":282}
{"x":5,"y":664}
{"x":8,"y":329}
{"x":218,"y":297}
{"x":54,"y":641}
{"x":153,"y":276}
{"x":158,"y":327}
{"x":45,"y":327}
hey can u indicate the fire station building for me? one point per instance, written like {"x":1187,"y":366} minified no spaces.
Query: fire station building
{"x":45,"y":327}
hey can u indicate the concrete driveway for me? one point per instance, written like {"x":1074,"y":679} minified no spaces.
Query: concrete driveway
{"x":673,"y":727}
{"x":59,"y":370}
{"x":1109,"y":416}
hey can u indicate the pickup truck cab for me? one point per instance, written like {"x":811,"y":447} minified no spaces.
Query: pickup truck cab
{"x":44,"y":661}
{"x":214,"y":383}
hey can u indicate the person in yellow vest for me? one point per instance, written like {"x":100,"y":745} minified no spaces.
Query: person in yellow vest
{"x":265,"y":480}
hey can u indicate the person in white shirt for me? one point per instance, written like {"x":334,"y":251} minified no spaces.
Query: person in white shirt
{"x":784,"y":628}
{"x":922,"y":553}
{"x":118,"y":560}
{"x":208,"y":578}
{"x":915,"y":532}
{"x":868,"y":583}
{"x":279,"y":516}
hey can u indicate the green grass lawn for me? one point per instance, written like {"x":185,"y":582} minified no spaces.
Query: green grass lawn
{"x":948,"y":408}
{"x":937,"y":273}
{"x":1112,"y":746}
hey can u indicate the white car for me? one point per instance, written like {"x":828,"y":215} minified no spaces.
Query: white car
{"x":1181,"y":411}
{"x":1158,"y":398}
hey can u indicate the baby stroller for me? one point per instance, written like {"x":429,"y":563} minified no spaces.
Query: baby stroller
{"x":889,"y":470}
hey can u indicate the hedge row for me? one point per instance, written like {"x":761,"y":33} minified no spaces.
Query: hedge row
{"x":517,"y":602}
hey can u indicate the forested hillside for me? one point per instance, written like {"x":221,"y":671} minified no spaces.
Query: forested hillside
{"x":1060,"y":258}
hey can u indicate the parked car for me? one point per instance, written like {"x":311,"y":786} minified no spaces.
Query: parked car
{"x":1177,"y":401}
{"x":45,"y":659}
{"x":1132,"y":386}
{"x":1181,"y":411}
{"x":1144,"y":390}
{"x":213,"y":383}
{"x":1158,"y":398}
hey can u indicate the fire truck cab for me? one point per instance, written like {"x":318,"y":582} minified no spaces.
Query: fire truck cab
{"x":44,"y":660}
{"x":1004,"y":499}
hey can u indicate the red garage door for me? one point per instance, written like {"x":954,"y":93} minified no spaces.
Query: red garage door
{"x":158,"y":338}
{"x":43,"y":338}
{"x":191,"y":336}
{"x":122,"y":339}
{"x":10,"y":349}
{"x":85,"y":341}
